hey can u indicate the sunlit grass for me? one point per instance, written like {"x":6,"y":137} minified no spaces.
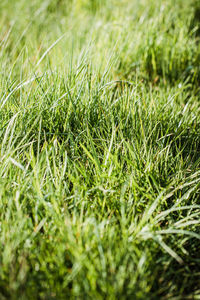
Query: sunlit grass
{"x":99,"y":149}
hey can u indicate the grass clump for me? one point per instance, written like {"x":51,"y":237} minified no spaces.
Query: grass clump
{"x":99,"y":150}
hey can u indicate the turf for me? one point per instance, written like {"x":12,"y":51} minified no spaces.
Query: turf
{"x":99,"y":149}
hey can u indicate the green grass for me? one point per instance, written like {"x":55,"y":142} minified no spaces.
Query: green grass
{"x":99,"y":149}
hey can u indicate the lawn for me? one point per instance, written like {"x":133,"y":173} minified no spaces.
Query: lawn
{"x":99,"y":149}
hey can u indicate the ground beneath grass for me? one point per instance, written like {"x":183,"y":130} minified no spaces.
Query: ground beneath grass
{"x":99,"y":149}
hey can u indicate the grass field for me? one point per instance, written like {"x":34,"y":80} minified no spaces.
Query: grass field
{"x":99,"y":149}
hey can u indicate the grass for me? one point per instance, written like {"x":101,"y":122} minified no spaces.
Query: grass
{"x":99,"y":149}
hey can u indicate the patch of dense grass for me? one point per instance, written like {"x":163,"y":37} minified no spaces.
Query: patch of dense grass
{"x":99,"y":149}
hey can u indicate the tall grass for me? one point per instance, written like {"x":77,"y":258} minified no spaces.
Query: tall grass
{"x":99,"y":149}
